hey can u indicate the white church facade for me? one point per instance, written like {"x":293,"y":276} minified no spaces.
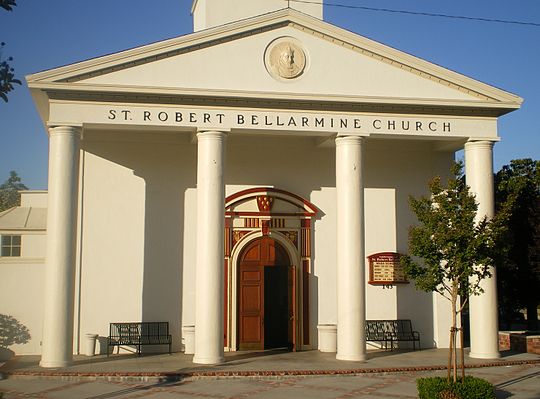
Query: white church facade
{"x":237,"y":179}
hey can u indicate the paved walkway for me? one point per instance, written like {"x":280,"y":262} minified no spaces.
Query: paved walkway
{"x":269,"y":374}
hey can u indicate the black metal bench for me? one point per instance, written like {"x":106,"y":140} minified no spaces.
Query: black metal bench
{"x":390,"y":331}
{"x":138,"y":334}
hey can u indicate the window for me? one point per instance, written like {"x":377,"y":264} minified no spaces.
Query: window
{"x":11,"y":246}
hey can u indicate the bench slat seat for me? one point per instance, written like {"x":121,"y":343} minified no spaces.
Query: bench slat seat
{"x":139,"y":334}
{"x":390,"y":331}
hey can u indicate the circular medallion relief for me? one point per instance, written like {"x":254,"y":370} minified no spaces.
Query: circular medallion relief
{"x":285,"y":58}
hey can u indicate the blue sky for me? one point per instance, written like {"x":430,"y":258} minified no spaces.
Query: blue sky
{"x":41,"y":35}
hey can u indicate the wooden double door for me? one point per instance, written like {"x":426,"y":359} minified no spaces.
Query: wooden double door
{"x":266,"y":297}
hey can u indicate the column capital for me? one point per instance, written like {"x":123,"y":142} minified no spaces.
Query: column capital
{"x":212,"y":133}
{"x":487,"y":144}
{"x":349,"y":140}
{"x":65,"y":130}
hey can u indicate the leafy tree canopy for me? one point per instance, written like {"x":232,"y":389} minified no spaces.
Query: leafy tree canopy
{"x":7,"y":75}
{"x":517,"y":192}
{"x":449,"y":241}
{"x":9,"y":191}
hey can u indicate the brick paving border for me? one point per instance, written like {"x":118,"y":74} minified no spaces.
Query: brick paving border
{"x":179,"y":376}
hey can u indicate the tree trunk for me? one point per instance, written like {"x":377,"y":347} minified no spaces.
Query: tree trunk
{"x":450,"y":350}
{"x":462,"y":351}
{"x":453,"y":335}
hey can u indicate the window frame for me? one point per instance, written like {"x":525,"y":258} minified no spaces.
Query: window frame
{"x":9,"y":248}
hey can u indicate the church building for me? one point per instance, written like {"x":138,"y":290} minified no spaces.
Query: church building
{"x":249,"y":183}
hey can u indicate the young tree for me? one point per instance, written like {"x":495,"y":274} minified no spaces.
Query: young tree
{"x":9,"y":191}
{"x":455,"y":252}
{"x":517,"y":192}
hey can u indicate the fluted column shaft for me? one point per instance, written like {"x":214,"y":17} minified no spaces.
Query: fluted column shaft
{"x":64,"y":150}
{"x":351,"y":316}
{"x":210,"y":235}
{"x":483,"y":310}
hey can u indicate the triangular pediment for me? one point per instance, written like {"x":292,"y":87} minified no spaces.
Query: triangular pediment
{"x":235,"y":61}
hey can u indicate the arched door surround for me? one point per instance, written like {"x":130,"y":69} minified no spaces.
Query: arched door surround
{"x":262,"y":216}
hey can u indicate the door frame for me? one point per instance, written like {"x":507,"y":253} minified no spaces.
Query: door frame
{"x":233,"y":267}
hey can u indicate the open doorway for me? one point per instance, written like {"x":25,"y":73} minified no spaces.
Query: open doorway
{"x":265,"y":296}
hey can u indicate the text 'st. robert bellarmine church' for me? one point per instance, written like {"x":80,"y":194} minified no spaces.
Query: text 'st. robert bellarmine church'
{"x":251,"y":179}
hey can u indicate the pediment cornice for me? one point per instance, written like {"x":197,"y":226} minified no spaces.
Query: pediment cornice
{"x":69,"y":80}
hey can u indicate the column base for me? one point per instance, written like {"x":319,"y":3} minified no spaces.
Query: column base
{"x":492,"y":355}
{"x":208,"y":360}
{"x":351,"y":358}
{"x":55,"y":364}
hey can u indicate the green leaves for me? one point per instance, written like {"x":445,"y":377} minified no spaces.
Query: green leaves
{"x":517,"y":188}
{"x":12,"y":331}
{"x":451,"y":248}
{"x":8,"y":4}
{"x":9,"y":191}
{"x":7,"y":77}
{"x":467,"y":388}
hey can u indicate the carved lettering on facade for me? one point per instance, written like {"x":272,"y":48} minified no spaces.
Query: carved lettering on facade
{"x":294,"y":121}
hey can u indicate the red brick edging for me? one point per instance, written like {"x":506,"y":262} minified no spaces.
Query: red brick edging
{"x":237,"y":374}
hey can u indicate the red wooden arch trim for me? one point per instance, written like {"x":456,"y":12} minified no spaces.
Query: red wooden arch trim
{"x":308,"y":209}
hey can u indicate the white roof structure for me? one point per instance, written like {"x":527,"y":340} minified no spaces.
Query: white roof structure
{"x":359,"y":74}
{"x":30,"y":215}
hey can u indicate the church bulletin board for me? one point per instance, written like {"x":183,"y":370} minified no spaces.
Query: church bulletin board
{"x":385,"y":269}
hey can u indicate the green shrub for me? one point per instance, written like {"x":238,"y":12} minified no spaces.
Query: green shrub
{"x":441,"y":388}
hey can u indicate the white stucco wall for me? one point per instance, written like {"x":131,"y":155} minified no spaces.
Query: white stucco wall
{"x":33,"y":245}
{"x":21,"y":297}
{"x":34,"y":198}
{"x":132,"y":233}
{"x":138,"y":223}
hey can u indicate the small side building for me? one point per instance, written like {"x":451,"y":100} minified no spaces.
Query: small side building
{"x":22,"y":269}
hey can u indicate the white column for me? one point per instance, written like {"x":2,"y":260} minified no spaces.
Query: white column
{"x":210,"y":234}
{"x":351,"y":308}
{"x":483,"y":308}
{"x":64,"y":149}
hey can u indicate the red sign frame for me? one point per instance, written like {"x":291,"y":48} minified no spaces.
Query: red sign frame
{"x":385,"y":269}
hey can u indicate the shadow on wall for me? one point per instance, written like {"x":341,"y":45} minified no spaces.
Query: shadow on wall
{"x":167,"y":164}
{"x":163,"y":253}
{"x":11,"y":332}
{"x":412,"y":303}
{"x":166,"y":181}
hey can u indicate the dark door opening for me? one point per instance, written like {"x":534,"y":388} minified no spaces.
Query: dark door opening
{"x":276,"y":307}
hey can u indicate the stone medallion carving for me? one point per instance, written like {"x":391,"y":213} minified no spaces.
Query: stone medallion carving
{"x":285,"y":59}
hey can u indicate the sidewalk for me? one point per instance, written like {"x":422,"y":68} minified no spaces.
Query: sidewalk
{"x":250,"y":364}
